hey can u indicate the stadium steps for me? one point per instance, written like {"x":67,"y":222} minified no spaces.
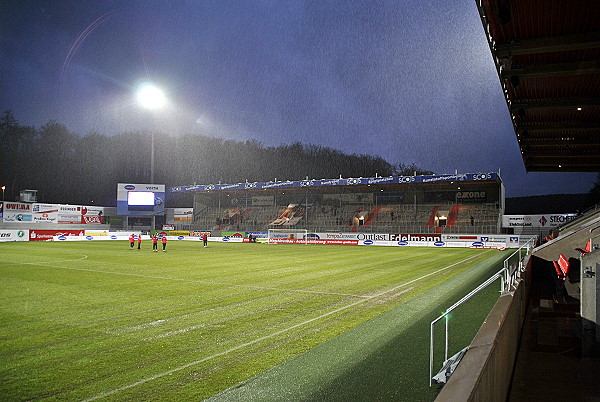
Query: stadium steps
{"x":372,"y":216}
{"x":433,"y":215}
{"x":453,"y":214}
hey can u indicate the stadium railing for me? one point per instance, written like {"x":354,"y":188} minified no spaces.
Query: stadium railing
{"x":509,"y":275}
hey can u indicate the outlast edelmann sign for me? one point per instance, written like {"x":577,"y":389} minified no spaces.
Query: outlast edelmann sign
{"x":536,"y":221}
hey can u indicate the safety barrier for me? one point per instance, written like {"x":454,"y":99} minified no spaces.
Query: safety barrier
{"x":509,"y":276}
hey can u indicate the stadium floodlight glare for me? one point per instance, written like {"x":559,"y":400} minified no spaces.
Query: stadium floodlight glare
{"x":150,"y":96}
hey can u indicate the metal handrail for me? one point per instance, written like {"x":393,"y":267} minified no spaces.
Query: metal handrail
{"x":509,"y":277}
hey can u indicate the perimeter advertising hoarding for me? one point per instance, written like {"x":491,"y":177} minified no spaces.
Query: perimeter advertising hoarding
{"x":17,"y":212}
{"x":342,"y":182}
{"x":45,"y":213}
{"x":44,"y":235}
{"x":129,"y":204}
{"x":14,"y":235}
{"x":66,"y":214}
{"x":183,"y":214}
{"x":536,"y":221}
{"x":399,"y":239}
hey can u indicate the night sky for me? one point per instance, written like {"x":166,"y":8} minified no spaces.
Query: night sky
{"x":411,"y":81}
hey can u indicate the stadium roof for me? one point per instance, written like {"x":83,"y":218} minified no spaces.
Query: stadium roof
{"x":358,"y":184}
{"x":547,"y":55}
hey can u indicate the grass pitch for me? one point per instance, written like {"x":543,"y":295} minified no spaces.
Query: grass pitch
{"x":96,"y":320}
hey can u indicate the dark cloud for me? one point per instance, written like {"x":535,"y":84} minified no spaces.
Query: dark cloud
{"x":409,"y":81}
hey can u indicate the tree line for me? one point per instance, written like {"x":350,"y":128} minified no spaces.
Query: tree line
{"x":68,"y":168}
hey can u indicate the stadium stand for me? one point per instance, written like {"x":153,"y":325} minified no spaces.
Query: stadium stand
{"x":403,"y":218}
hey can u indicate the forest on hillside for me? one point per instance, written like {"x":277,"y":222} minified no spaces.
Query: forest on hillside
{"x":66,"y":167}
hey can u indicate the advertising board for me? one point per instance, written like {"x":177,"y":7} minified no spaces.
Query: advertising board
{"x":44,"y":235}
{"x":13,"y":235}
{"x":536,"y":221}
{"x":19,"y":212}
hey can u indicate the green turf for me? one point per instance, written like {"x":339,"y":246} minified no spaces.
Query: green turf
{"x":95,"y":319}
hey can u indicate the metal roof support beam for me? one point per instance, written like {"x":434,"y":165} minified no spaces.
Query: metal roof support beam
{"x":558,"y":127}
{"x":549,"y":44}
{"x":572,"y":103}
{"x":553,"y":70}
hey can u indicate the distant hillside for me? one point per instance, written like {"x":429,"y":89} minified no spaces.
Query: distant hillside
{"x":547,"y":204}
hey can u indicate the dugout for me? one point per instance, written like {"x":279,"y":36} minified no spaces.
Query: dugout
{"x":456,"y":203}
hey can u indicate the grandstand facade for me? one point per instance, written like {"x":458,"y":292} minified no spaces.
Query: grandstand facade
{"x":456,"y":203}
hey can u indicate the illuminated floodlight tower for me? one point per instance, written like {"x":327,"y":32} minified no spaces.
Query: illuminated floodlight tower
{"x":151,"y":97}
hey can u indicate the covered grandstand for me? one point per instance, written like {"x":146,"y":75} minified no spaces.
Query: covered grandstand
{"x":454,"y":203}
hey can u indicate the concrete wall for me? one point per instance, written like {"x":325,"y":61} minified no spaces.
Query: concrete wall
{"x":484,"y":373}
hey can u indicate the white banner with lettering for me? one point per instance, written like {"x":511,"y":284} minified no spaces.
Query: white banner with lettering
{"x":536,"y":221}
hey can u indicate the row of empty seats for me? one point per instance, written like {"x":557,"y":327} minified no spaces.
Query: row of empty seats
{"x":403,"y":218}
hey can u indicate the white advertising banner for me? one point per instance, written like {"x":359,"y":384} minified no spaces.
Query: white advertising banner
{"x":536,"y":221}
{"x":45,"y":213}
{"x":17,"y":212}
{"x":14,"y":235}
{"x":92,"y":215}
{"x":263,"y":200}
{"x":183,"y":214}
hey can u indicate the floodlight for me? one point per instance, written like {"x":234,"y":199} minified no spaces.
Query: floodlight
{"x":150,"y":96}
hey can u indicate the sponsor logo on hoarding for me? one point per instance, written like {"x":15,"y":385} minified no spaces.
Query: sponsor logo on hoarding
{"x":416,"y":237}
{"x":482,"y":176}
{"x":368,"y":242}
{"x":225,"y":238}
{"x":92,"y":219}
{"x":372,"y":236}
{"x":62,"y":238}
{"x":403,"y":243}
{"x":439,"y":243}
{"x":380,"y":180}
{"x":180,"y":238}
{"x":477,"y":244}
{"x":18,"y":207}
{"x":113,"y":237}
{"x":513,"y":239}
{"x":470,"y":195}
{"x":89,"y":238}
{"x":129,"y":187}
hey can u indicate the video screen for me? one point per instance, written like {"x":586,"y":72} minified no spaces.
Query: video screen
{"x":140,"y":200}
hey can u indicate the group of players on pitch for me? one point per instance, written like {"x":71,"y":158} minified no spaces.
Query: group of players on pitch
{"x":155,"y":238}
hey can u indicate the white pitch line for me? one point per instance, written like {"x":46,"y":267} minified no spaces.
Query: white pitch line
{"x":53,"y":262}
{"x":243,"y":345}
{"x":203,"y":281}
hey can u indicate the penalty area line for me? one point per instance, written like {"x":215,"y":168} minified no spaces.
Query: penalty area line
{"x":257,"y":340}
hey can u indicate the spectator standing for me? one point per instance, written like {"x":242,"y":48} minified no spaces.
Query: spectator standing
{"x":131,"y":241}
{"x":140,"y":241}
{"x":154,"y":242}
{"x":164,"y":242}
{"x":205,"y":239}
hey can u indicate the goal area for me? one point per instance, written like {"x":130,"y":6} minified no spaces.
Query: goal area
{"x":288,"y":236}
